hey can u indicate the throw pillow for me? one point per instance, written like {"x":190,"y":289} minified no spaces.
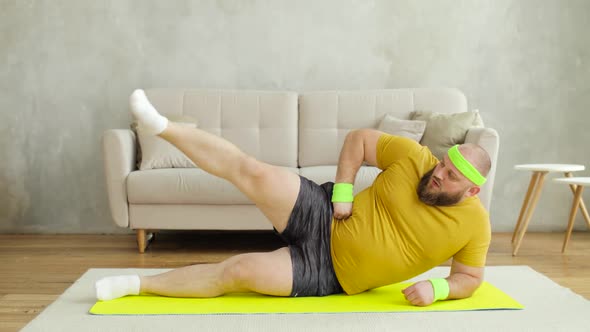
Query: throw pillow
{"x":154,"y":152}
{"x":413,"y":129}
{"x":443,"y":130}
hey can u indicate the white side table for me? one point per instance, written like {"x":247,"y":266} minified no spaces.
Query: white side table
{"x":534,"y":192}
{"x":578,"y":183}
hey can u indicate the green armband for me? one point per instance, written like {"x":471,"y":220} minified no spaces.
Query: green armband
{"x":342,"y":193}
{"x":441,"y":288}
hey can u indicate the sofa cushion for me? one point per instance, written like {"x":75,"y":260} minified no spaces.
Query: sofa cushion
{"x":445,"y":130}
{"x":412,"y":129}
{"x":263,"y":124}
{"x":156,"y":152}
{"x":182,"y":186}
{"x":322,"y":174}
{"x":184,"y":120}
{"x":326,"y":117}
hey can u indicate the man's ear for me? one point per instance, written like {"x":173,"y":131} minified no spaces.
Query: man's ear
{"x":472,"y":191}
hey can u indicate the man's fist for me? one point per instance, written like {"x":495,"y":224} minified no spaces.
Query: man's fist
{"x":420,"y":293}
{"x":342,"y":210}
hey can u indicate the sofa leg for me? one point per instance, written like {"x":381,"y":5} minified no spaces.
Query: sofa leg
{"x":141,"y":240}
{"x":144,"y":238}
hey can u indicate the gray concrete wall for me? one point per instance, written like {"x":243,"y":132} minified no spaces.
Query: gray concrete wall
{"x":67,"y":67}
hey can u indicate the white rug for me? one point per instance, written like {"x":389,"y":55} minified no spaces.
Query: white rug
{"x":548,"y":307}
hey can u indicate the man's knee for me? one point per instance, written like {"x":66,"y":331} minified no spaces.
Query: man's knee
{"x":251,"y":168}
{"x":237,"y":273}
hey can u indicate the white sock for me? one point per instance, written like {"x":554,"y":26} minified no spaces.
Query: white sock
{"x":148,"y":118}
{"x":110,"y":288}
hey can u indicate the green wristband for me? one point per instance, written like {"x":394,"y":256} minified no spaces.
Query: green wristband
{"x":342,"y":193}
{"x":441,"y":288}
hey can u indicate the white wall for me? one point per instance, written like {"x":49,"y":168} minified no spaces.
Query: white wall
{"x":67,"y":67}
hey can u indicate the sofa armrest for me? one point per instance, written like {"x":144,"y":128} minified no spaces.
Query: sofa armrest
{"x":488,"y":139}
{"x":119,"y":152}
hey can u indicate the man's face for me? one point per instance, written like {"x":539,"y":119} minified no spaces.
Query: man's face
{"x":443,"y":185}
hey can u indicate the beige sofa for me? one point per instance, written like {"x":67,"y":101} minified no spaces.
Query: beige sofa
{"x":302,"y":132}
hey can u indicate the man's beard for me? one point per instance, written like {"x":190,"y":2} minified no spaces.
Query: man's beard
{"x":435,"y":198}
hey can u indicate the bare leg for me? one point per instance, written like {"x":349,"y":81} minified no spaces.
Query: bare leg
{"x":266,"y":273}
{"x":273,"y":189}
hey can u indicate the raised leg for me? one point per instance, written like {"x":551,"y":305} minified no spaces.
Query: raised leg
{"x":570,"y":224}
{"x":582,"y":205}
{"x":529,"y":213}
{"x":273,"y":189}
{"x":525,"y":204}
{"x":266,"y":273}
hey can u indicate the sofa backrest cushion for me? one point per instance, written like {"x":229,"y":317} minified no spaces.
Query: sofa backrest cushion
{"x":263,"y":124}
{"x":326,"y":117}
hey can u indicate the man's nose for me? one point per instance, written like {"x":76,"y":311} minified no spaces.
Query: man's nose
{"x":438,"y":175}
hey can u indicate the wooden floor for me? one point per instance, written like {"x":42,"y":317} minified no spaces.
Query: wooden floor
{"x":36,"y":269}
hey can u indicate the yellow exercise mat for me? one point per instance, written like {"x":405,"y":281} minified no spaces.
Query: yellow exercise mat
{"x":383,"y":299}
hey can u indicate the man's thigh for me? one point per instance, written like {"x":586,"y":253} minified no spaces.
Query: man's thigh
{"x":273,"y":189}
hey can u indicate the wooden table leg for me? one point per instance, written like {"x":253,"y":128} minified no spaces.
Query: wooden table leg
{"x":527,"y":218}
{"x":570,"y":224}
{"x":582,"y":205}
{"x":525,"y":204}
{"x":141,"y":240}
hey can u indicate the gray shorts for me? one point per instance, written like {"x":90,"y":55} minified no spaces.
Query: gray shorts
{"x":308,"y":236}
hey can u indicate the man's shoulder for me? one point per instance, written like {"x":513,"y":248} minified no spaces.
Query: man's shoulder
{"x":475,"y":206}
{"x":474,"y":210}
{"x":397,"y":148}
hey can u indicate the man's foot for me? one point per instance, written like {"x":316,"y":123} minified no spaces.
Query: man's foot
{"x":110,"y":288}
{"x":148,"y":118}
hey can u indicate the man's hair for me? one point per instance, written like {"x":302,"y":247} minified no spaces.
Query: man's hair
{"x":477,"y":156}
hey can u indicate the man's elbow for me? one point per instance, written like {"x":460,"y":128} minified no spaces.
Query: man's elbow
{"x":464,"y":286}
{"x":475,"y":283}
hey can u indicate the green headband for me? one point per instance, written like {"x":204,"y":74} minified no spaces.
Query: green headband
{"x":465,"y":166}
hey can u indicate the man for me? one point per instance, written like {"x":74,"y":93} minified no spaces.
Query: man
{"x":418,"y":213}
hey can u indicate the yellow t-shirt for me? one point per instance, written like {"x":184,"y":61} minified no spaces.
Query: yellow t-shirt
{"x":392,"y":236}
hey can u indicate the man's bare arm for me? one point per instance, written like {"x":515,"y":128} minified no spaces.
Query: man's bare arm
{"x":463,"y":281}
{"x":359,"y":146}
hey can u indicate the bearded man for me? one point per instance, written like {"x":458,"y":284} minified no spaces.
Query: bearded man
{"x":418,"y":213}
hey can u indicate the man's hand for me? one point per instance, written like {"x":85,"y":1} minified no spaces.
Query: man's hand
{"x":342,"y":210}
{"x":420,"y":293}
